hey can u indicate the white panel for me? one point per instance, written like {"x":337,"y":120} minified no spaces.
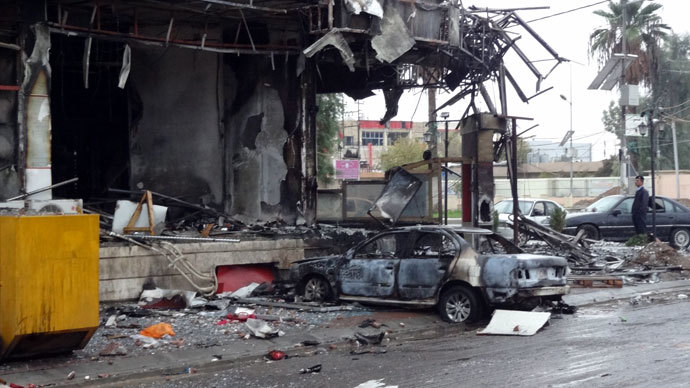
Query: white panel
{"x":39,"y":178}
{"x":508,"y":322}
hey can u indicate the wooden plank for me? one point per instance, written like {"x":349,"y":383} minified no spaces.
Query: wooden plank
{"x":595,"y":282}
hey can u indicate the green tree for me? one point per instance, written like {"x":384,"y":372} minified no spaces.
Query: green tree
{"x":404,"y":151}
{"x":523,"y":150}
{"x":331,"y":110}
{"x":644,"y":30}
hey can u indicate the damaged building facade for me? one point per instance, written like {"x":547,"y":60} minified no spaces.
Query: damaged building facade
{"x":214,"y":101}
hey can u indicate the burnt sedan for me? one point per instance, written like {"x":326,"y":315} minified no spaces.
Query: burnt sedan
{"x":610,"y":218}
{"x":432,"y":266}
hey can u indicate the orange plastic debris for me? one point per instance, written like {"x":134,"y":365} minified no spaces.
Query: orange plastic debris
{"x":158,"y":330}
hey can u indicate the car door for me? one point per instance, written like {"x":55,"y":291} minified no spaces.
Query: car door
{"x":619,"y":224}
{"x":538,"y":213}
{"x":370,"y":271}
{"x":422,"y":270}
{"x":664,"y":218}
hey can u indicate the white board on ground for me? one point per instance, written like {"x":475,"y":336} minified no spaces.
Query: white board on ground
{"x":509,"y":322}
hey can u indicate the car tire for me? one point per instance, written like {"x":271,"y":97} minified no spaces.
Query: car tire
{"x":316,"y":289}
{"x":680,"y":238}
{"x":591,"y":231}
{"x":459,"y":304}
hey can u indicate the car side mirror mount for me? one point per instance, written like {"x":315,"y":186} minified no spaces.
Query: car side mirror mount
{"x":616,"y":212}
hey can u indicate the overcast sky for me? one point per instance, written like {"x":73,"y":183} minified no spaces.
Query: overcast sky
{"x":568,"y":34}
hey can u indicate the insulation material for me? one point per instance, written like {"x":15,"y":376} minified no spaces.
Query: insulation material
{"x":335,"y":39}
{"x":395,"y":39}
{"x":125,"y":209}
{"x":372,"y":7}
{"x":508,"y":322}
{"x":126,"y":66}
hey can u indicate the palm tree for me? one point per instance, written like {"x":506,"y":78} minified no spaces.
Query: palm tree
{"x":644,"y":31}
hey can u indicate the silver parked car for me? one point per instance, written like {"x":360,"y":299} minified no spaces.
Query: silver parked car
{"x":538,"y":210}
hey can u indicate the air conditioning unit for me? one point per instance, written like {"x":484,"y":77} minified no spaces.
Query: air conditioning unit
{"x":55,"y":206}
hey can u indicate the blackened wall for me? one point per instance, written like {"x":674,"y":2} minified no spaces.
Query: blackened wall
{"x":9,"y":181}
{"x":175,"y":143}
{"x":261,"y":116}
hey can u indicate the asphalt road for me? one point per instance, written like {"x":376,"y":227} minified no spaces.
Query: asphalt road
{"x":619,"y":344}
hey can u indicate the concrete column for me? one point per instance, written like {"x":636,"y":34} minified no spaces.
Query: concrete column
{"x":34,"y":113}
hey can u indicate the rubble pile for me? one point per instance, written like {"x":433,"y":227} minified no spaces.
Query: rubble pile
{"x":604,"y":263}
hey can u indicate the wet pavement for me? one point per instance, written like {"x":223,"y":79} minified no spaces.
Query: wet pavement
{"x":638,"y":342}
{"x":413,"y":340}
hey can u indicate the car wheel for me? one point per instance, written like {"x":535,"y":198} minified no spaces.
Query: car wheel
{"x":316,"y":289}
{"x":459,"y":304}
{"x":680,"y":238}
{"x":591,"y":231}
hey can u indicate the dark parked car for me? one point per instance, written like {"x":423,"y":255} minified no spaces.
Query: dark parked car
{"x":610,"y":219}
{"x":432,"y":266}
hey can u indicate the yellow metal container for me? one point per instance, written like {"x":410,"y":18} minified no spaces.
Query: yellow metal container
{"x":48,"y":283}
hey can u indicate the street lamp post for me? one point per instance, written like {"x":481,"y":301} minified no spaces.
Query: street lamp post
{"x":570,"y":102}
{"x":445,"y":115}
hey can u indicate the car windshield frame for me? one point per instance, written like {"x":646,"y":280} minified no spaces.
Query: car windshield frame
{"x":524,"y":206}
{"x":603,"y":205}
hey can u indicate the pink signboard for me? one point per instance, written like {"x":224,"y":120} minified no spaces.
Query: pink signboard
{"x":347,"y":169}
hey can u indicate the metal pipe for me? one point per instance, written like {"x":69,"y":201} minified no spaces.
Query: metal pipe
{"x":445,"y":155}
{"x":246,"y":6}
{"x":182,"y":238}
{"x":43,"y":189}
{"x":225,"y":48}
{"x":513,"y":180}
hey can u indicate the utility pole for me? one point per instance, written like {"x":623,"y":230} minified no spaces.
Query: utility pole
{"x":675,"y":157}
{"x":624,"y":145}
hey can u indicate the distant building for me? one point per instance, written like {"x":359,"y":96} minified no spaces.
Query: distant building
{"x":548,"y":151}
{"x":357,"y":136}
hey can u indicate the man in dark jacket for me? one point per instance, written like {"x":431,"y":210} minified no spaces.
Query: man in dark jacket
{"x":639,"y":207}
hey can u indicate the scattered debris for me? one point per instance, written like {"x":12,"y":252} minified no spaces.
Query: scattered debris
{"x":158,"y":331}
{"x":112,"y":321}
{"x":159,"y":298}
{"x":508,"y":322}
{"x":312,"y":369}
{"x":276,"y":355}
{"x":370,"y":339}
{"x":314,"y":307}
{"x":661,"y":255}
{"x":113,"y":349}
{"x":357,"y":352}
{"x":261,"y":329}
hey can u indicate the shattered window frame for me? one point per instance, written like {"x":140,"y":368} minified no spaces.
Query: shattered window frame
{"x":398,"y":240}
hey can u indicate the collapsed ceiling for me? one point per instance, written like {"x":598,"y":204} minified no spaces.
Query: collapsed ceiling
{"x":359,"y":46}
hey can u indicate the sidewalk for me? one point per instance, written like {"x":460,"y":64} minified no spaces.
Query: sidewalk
{"x":161,"y":362}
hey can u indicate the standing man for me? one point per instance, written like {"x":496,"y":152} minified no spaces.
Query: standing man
{"x":639,"y":206}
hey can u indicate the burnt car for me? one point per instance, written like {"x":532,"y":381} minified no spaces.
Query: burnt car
{"x":432,"y":266}
{"x":610,"y":218}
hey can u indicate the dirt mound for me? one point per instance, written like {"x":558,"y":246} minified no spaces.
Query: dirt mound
{"x":583,"y":203}
{"x":661,"y":255}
